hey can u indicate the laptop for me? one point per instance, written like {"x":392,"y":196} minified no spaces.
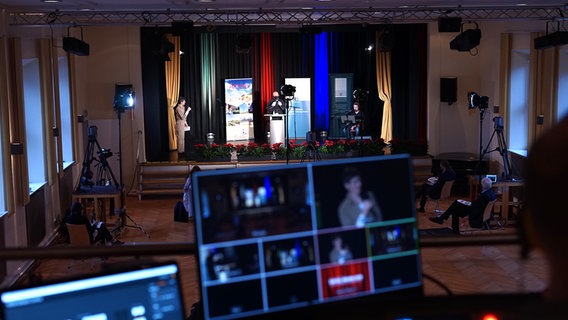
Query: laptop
{"x":282,"y":241}
{"x":149,"y":292}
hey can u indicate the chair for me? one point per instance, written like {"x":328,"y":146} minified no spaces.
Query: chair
{"x":444,"y":194}
{"x":486,"y":222}
{"x":78,"y":236}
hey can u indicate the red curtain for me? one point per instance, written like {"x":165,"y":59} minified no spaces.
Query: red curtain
{"x":266,"y":71}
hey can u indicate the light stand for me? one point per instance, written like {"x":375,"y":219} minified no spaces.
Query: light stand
{"x":288,"y":92}
{"x":481,"y":103}
{"x":121,"y":102}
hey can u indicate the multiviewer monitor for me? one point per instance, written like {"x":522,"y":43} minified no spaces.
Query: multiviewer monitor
{"x":152,"y":292}
{"x":276,"y":240}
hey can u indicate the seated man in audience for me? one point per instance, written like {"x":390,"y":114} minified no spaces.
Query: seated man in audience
{"x":472,"y":210}
{"x":98,"y":232}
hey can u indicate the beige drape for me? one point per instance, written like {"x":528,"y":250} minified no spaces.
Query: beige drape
{"x":172,"y":89}
{"x":383,"y":60}
{"x":543,"y":86}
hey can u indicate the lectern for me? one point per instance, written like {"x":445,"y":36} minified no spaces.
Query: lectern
{"x":277,"y":125}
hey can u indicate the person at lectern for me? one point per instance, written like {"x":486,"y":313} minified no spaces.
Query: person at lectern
{"x":276,"y":105}
{"x":181,"y":112}
{"x":359,"y":206}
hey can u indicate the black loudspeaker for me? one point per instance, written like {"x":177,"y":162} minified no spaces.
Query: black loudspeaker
{"x":449,"y":24}
{"x":448,"y":90}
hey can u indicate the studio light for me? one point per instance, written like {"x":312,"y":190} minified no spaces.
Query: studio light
{"x":288,"y":91}
{"x":124,"y":97}
{"x":477,"y":101}
{"x":466,"y":40}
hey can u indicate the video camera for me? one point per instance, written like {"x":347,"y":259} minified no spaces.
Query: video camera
{"x":104,"y":153}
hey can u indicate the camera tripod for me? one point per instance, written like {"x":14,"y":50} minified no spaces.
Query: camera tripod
{"x":312,"y":152}
{"x":501,"y":148}
{"x":103,"y":176}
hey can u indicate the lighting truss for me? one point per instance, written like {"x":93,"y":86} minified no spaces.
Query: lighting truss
{"x":281,"y":16}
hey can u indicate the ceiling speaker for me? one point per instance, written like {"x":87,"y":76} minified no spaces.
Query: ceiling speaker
{"x":449,"y":24}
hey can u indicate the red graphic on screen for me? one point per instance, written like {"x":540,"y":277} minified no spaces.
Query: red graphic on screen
{"x":345,"y":279}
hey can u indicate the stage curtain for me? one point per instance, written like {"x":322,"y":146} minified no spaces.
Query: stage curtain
{"x":172,"y":72}
{"x":266,"y":72}
{"x":383,"y":65}
{"x":208,"y":70}
{"x":321,"y":82}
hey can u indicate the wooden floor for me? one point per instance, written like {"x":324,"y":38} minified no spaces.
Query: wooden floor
{"x":460,"y":270}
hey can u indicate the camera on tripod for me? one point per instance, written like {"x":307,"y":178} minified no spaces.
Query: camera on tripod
{"x":104,"y":153}
{"x":498,"y":123}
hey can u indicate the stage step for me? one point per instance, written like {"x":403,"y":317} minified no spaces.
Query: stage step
{"x":162,"y":178}
{"x":168,"y":178}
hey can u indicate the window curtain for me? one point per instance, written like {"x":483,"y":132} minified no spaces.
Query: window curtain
{"x":383,"y":65}
{"x":172,"y":71}
{"x":543,"y":85}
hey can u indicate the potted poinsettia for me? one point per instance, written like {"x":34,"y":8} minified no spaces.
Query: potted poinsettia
{"x":254,"y":151}
{"x":215,"y":151}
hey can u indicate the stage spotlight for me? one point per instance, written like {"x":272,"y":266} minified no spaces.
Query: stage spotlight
{"x":466,"y":40}
{"x":477,"y":101}
{"x":163,"y":48}
{"x":288,"y":91}
{"x":360,"y":94}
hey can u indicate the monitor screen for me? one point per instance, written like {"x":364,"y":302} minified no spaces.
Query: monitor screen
{"x":151,"y":292}
{"x":303,"y":236}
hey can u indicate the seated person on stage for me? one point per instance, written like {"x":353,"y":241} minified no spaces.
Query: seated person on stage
{"x":98,"y":232}
{"x":433,"y":186}
{"x":354,"y":128}
{"x":472,"y":210}
{"x":276,"y":105}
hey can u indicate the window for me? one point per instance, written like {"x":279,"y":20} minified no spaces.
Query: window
{"x":519,"y":103}
{"x":562,"y":83}
{"x":35,"y":145}
{"x":66,"y":130}
{"x":3,"y":206}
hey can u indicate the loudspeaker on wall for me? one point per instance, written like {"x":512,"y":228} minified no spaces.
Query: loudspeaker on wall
{"x":449,"y":24}
{"x":448,"y":89}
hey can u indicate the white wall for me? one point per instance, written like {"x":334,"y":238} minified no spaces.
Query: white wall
{"x":456,"y":128}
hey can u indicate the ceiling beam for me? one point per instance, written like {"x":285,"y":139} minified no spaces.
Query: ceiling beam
{"x":280,"y":17}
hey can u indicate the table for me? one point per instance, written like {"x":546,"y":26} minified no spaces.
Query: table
{"x":99,"y":194}
{"x":502,"y":187}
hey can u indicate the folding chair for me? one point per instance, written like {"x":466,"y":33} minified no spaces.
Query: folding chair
{"x":444,"y":195}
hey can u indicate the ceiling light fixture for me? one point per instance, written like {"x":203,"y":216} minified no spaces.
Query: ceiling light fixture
{"x":50,"y":1}
{"x":466,"y":40}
